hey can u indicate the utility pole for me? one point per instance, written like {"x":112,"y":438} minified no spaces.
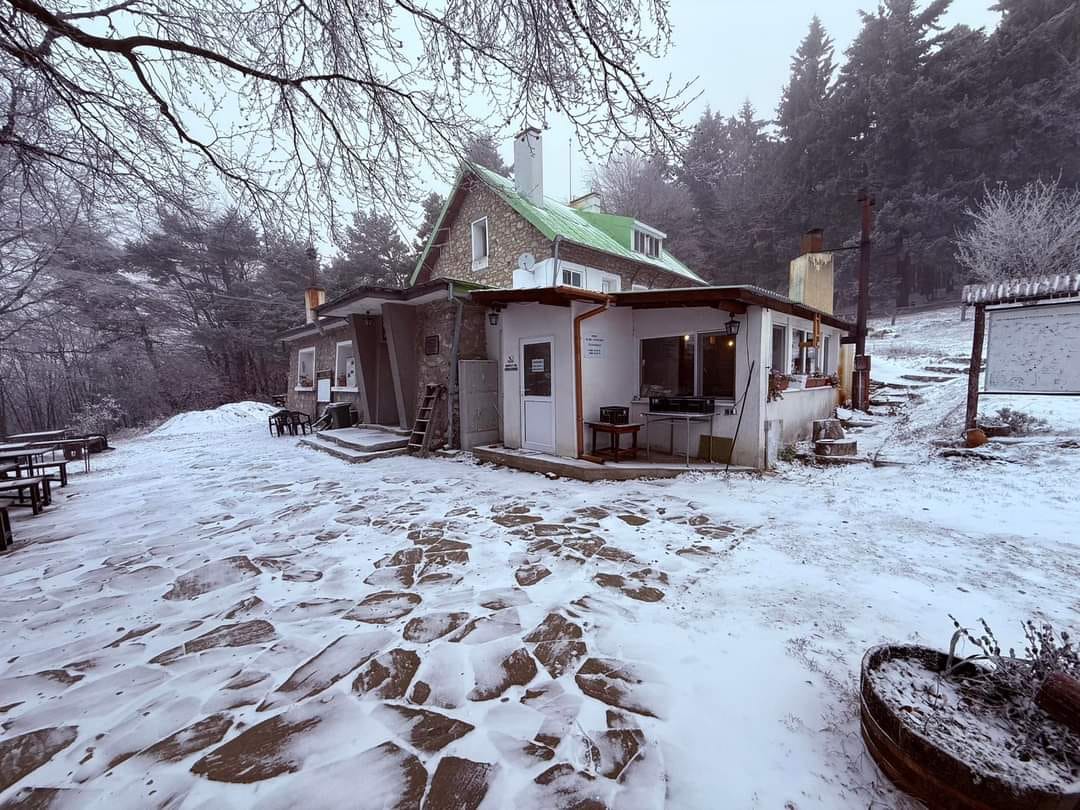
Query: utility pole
{"x":860,"y":376}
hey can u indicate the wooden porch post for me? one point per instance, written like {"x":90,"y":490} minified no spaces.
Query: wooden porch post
{"x":975,"y":368}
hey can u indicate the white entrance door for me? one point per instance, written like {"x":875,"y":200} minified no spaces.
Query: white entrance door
{"x":537,"y":395}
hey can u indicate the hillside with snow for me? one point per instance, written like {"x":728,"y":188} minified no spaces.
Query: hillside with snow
{"x":214,"y":617}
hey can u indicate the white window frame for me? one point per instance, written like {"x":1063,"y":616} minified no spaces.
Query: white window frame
{"x":299,"y":354}
{"x":337,"y":368}
{"x":610,"y":284}
{"x":480,"y":262}
{"x":648,"y":241}
{"x":785,"y":364}
{"x":572,"y":273}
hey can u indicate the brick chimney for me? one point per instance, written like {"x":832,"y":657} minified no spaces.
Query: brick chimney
{"x":314,"y":297}
{"x":529,"y":166}
{"x":810,"y":277}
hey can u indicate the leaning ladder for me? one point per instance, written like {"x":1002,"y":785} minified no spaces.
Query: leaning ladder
{"x":420,"y":438}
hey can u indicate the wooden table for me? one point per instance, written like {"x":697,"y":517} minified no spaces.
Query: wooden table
{"x":615,"y":450}
{"x":41,"y":435}
{"x":21,"y":458}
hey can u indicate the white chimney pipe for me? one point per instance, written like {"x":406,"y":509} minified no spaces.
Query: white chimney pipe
{"x":529,"y":166}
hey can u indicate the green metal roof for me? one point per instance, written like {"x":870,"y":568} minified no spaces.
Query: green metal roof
{"x":607,"y":233}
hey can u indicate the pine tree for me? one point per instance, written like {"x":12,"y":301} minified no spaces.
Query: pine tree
{"x":802,"y":125}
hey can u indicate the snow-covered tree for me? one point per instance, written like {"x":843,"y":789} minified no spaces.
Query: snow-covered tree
{"x":1032,"y":231}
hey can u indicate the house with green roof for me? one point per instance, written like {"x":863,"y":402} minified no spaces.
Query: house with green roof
{"x":552,"y":332}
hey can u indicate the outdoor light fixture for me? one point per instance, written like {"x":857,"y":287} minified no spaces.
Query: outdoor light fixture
{"x":731,"y":329}
{"x":493,"y":317}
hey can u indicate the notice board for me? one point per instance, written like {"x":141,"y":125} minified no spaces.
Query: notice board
{"x":1034,"y":349}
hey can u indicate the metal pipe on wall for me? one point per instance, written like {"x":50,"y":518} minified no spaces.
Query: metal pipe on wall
{"x":452,"y":381}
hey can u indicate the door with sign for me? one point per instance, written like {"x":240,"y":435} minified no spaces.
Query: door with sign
{"x":537,"y":395}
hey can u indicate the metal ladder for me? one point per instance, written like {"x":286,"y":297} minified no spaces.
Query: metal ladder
{"x":420,"y":438}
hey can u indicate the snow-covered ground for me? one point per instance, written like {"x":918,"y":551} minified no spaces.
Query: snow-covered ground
{"x":217,"y":618}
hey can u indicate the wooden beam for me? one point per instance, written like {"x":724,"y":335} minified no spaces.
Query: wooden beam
{"x":975,"y":368}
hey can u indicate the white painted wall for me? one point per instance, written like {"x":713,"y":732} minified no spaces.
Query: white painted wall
{"x":799,"y":408}
{"x":613,"y":378}
{"x":537,"y":321}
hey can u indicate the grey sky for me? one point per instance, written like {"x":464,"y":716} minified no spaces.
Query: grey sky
{"x":738,"y":50}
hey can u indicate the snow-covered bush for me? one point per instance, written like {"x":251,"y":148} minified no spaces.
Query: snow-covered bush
{"x":1034,"y":231}
{"x":99,"y":417}
{"x":1020,"y":423}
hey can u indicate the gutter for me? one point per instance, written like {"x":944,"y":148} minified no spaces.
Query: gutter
{"x":578,"y":403}
{"x":555,"y":264}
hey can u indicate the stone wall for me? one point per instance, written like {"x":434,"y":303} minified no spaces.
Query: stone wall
{"x":438,"y":319}
{"x":510,"y":235}
{"x":325,"y":355}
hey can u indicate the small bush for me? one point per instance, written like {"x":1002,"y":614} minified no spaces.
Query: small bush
{"x":97,"y":417}
{"x":788,"y":453}
{"x":1020,"y":422}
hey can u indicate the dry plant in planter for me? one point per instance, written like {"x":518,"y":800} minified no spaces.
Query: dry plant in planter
{"x":969,"y":732}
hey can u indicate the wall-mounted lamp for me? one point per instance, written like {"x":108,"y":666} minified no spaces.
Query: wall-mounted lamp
{"x":731,"y":329}
{"x":493,"y":317}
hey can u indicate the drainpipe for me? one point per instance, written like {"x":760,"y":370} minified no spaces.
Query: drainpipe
{"x":555,"y":264}
{"x":579,"y":404}
{"x":452,"y":392}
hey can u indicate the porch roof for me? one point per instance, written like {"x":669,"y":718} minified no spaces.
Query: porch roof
{"x":365,"y":299}
{"x":552,"y":296}
{"x":733,"y":298}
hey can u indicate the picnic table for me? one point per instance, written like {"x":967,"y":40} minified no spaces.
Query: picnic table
{"x":41,"y":435}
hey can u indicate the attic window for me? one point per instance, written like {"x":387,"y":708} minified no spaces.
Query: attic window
{"x":572,"y":278}
{"x":646,"y":243}
{"x":480,"y":243}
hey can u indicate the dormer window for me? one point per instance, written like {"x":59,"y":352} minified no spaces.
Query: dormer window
{"x":480,"y":244}
{"x":646,"y":243}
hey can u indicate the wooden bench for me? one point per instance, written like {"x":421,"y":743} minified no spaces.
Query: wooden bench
{"x":40,"y":493}
{"x":5,"y":529}
{"x":59,"y":466}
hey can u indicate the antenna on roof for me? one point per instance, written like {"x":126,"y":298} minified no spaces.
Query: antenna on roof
{"x":570,"y":169}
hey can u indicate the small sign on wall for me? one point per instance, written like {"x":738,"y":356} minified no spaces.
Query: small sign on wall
{"x":431,"y":345}
{"x":511,"y":363}
{"x":595,"y":346}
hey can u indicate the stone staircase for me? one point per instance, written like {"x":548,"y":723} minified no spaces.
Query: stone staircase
{"x":359,"y":444}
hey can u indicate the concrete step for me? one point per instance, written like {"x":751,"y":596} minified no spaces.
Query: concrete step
{"x":364,"y":439}
{"x":945,"y":369}
{"x":926,"y":378}
{"x":348,"y":454}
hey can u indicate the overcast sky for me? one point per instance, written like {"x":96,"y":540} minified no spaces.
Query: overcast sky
{"x":739,"y":49}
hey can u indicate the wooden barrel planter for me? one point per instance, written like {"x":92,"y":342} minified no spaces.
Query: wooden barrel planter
{"x":919,"y":766}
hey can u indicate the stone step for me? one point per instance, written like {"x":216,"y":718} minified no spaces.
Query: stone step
{"x":347,"y":454}
{"x":365,"y":439}
{"x":946,"y":369}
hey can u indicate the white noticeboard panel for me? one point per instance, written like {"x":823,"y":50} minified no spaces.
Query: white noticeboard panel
{"x":1034,"y":349}
{"x":324,"y":390}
